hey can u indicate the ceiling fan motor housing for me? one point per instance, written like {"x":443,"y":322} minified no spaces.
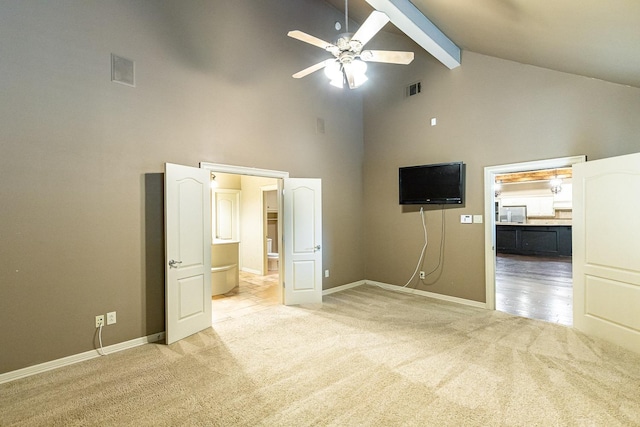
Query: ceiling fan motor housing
{"x":345,"y":42}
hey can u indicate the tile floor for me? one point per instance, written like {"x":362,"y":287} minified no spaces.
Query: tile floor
{"x":254,"y":293}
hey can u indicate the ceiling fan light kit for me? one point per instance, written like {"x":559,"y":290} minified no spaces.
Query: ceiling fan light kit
{"x":349,"y":65}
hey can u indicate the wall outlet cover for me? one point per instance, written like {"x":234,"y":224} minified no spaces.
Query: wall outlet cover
{"x":111,"y":318}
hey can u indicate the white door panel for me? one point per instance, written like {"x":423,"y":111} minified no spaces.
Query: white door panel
{"x":304,"y":275}
{"x":302,"y":240}
{"x":188,"y":251}
{"x":606,"y":257}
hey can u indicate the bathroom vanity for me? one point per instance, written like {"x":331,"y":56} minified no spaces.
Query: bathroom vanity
{"x":225,"y":274}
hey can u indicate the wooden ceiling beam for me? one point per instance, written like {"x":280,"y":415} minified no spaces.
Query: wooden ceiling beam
{"x":530,"y":176}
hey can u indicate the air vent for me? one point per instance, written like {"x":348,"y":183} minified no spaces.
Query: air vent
{"x":414,"y":88}
{"x":122,"y":71}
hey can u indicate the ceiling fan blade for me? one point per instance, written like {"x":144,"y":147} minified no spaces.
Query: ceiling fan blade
{"x":307,"y":38}
{"x":370,"y":27}
{"x":388,"y":56}
{"x":309,"y":70}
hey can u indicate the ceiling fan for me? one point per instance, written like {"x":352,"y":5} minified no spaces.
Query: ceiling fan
{"x":349,"y":62}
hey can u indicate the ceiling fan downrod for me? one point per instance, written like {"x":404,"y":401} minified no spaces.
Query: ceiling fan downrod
{"x":346,"y":15}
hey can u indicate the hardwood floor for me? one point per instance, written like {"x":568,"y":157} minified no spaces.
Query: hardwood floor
{"x":535,"y":287}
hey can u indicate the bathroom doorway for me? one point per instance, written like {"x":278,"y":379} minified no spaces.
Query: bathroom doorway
{"x":301,"y":217}
{"x":516,"y":279}
{"x":254,"y":286}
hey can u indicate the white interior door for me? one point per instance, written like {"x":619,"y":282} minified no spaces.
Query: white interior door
{"x":606,"y":249}
{"x":302,"y":241}
{"x":187,"y":251}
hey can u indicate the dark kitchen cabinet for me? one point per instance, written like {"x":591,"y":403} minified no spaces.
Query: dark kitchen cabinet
{"x":543,"y":240}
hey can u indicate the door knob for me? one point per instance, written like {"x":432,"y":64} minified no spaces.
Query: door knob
{"x":174,"y":264}
{"x":316,"y":248}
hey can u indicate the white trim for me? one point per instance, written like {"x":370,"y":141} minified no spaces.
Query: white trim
{"x":427,"y":294}
{"x":243,"y":170}
{"x":404,"y":15}
{"x":92,"y":354}
{"x":271,"y":187}
{"x":489,"y":212}
{"x":406,"y":291}
{"x":343,"y":287}
{"x":251,"y":270}
{"x":76,"y":358}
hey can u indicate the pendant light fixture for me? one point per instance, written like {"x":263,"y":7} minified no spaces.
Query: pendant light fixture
{"x":556,"y":184}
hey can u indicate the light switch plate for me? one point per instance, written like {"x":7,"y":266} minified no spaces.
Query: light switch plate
{"x":466,"y":219}
{"x":477,"y":219}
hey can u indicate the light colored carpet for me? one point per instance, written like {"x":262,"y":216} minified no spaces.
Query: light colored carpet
{"x":366,"y":357}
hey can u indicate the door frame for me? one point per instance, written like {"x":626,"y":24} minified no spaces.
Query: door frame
{"x":263,"y":173}
{"x":490,"y":173}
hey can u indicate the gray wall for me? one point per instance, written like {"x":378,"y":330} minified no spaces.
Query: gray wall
{"x":81,"y":158}
{"x":489,"y":112}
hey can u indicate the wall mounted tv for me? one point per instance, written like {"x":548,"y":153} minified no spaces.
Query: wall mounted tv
{"x":437,"y":184}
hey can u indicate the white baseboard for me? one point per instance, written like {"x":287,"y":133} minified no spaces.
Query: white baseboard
{"x":407,"y":291}
{"x":251,"y":270}
{"x":433,"y":295}
{"x":343,"y":287}
{"x":81,"y":357}
{"x":92,"y":354}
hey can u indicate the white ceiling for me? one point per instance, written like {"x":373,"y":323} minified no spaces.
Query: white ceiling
{"x":593,"y":38}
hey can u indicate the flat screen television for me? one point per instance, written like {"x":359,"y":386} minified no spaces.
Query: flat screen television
{"x":437,"y":184}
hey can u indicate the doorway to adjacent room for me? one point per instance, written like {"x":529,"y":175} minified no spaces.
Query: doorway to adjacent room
{"x":255,"y":283}
{"x":528,"y":242}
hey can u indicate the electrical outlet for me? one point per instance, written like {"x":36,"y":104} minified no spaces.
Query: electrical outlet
{"x":99,"y":320}
{"x":111,"y":318}
{"x":422,"y":276}
{"x":326,"y":273}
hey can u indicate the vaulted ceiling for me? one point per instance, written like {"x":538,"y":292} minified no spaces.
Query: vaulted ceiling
{"x":592,"y":38}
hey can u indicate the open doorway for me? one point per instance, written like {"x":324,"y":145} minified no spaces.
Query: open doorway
{"x":271,"y":216}
{"x":189,"y":242}
{"x":299,"y":238}
{"x":255,"y":289}
{"x":528,"y":243}
{"x":245,"y":240}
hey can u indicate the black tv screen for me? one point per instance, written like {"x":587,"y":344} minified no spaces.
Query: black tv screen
{"x":438,"y":184}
